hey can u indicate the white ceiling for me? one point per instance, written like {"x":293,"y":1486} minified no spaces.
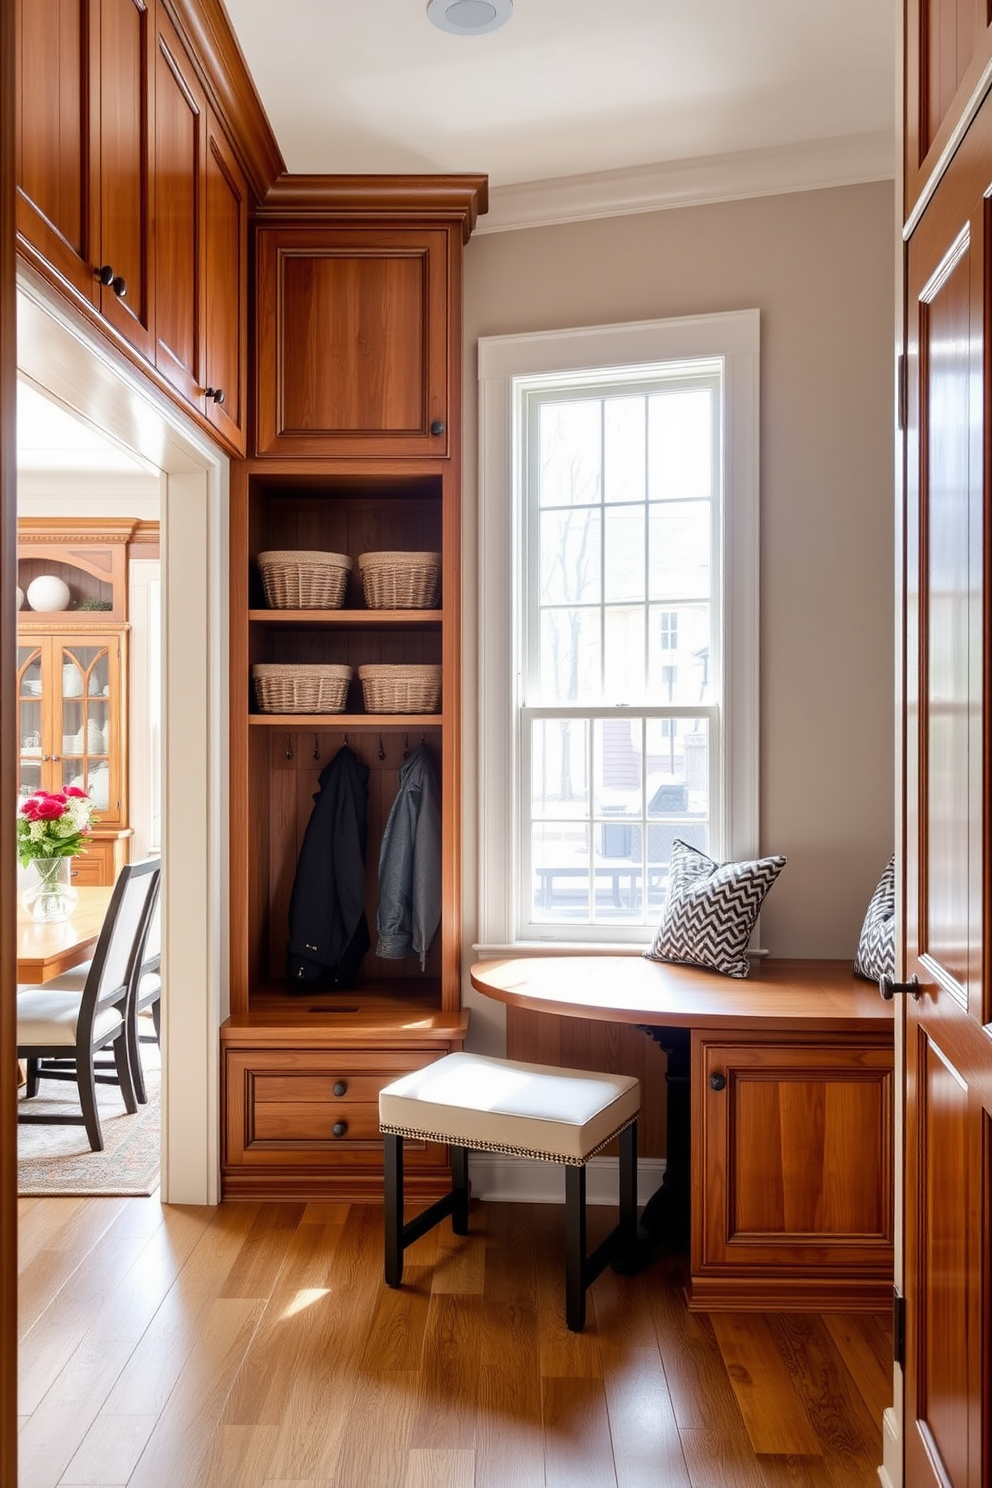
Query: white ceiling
{"x":567,"y":87}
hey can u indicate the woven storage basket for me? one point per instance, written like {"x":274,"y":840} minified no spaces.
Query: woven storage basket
{"x":400,"y":581}
{"x":304,"y":580}
{"x":289,"y":688}
{"x":401,"y":689}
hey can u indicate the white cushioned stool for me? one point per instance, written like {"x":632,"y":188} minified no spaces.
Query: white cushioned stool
{"x":471,"y":1101}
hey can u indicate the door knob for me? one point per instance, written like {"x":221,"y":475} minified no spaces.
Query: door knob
{"x":105,"y":274}
{"x":889,"y":988}
{"x":718,"y":1081}
{"x":216,"y":393}
{"x":119,"y":285}
{"x":339,"y":1128}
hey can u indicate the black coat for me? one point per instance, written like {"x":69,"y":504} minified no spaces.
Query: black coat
{"x":328,"y":931}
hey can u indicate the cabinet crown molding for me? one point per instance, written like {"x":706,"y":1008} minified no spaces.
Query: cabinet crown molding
{"x":460,"y":198}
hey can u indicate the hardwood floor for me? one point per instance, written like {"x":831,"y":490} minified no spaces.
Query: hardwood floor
{"x":255,"y":1346}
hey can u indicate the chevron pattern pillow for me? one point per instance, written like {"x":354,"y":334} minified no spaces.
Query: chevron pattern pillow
{"x":877,"y":943}
{"x":711,"y":909}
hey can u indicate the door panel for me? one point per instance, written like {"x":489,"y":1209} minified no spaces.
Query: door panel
{"x":125,"y":229}
{"x":226,"y":287}
{"x":948,"y":1046}
{"x":57,"y":142}
{"x":179,"y":144}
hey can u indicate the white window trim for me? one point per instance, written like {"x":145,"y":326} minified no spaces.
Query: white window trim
{"x":733,"y":337}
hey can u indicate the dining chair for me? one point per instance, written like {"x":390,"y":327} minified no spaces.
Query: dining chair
{"x":61,"y":1026}
{"x":147,"y":995}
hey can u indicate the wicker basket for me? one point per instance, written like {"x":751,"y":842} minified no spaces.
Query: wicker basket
{"x":400,"y":581}
{"x":304,"y":580}
{"x":401,"y":689}
{"x":288,"y":688}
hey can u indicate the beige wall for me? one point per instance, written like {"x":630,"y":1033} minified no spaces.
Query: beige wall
{"x":818,"y":265}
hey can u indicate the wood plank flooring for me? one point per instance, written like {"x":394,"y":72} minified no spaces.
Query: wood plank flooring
{"x":255,"y":1346}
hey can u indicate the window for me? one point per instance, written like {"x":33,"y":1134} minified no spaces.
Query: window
{"x":618,"y":663}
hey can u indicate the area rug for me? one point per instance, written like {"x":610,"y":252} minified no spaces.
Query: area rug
{"x":58,"y":1160}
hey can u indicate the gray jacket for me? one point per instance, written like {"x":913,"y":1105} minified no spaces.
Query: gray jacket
{"x":410,"y":864}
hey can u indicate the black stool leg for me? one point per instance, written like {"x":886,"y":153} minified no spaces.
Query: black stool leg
{"x":393,"y":1206}
{"x":575,"y":1247}
{"x":459,"y":1190}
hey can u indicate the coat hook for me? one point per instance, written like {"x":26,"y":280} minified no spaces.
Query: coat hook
{"x":316,"y":748}
{"x":289,"y":747}
{"x":382,"y":752}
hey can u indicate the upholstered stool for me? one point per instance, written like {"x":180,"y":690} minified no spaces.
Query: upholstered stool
{"x":474,"y":1102}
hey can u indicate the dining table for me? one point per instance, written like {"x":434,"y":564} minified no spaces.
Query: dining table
{"x":45,"y":949}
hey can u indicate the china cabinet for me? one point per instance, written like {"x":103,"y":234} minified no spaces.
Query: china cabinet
{"x":72,"y":679}
{"x":357,"y":450}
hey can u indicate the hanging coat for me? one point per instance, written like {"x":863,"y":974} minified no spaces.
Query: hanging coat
{"x":410,"y":863}
{"x":328,"y":931}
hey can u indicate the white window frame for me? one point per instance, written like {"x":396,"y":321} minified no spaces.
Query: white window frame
{"x":505,"y":361}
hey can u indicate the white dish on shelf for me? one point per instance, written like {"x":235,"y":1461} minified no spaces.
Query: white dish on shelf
{"x":32,"y":686}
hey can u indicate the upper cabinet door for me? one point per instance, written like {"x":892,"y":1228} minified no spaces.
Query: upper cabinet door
{"x":225,"y":241}
{"x":352,"y":339}
{"x":125,"y":178}
{"x":58,"y":137}
{"x":180,"y":135}
{"x":948,"y":48}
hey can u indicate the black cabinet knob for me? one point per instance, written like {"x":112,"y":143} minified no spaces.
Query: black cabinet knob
{"x":105,"y":274}
{"x":340,"y":1128}
{"x":718,"y":1081}
{"x":340,"y":1087}
{"x":216,"y":393}
{"x":889,"y":988}
{"x":437,"y":428}
{"x":119,"y":285}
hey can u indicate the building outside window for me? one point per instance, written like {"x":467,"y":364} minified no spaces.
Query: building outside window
{"x":614,"y":484}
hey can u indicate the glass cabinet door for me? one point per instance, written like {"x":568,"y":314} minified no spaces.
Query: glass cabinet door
{"x":31,"y":762}
{"x":87,"y":754}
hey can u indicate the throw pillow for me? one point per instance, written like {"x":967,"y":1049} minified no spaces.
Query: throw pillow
{"x":876,"y":955}
{"x":711,"y":909}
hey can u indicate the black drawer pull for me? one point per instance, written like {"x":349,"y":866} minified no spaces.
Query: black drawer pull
{"x":339,"y":1129}
{"x":889,"y":988}
{"x":340,"y":1087}
{"x":437,"y":428}
{"x":718,"y":1081}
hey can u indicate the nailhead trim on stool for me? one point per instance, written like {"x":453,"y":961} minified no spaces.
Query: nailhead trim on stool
{"x":475,"y":1102}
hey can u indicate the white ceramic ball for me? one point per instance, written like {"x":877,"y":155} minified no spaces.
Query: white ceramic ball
{"x":48,"y":592}
{"x":20,"y":597}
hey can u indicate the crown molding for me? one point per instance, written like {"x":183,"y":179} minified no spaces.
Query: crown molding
{"x":846,"y":161}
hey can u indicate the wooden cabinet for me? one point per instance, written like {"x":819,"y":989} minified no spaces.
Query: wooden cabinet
{"x":72,"y":671}
{"x":362,"y":478}
{"x":947,"y":54}
{"x":353,"y":341}
{"x":792,"y":1171}
{"x":131,"y":197}
{"x":201,"y":217}
{"x":83,"y":202}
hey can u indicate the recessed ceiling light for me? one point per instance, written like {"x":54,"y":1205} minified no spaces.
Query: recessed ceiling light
{"x":469,"y":17}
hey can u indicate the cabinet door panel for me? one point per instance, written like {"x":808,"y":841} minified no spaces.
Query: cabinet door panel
{"x":798,"y":1156}
{"x":57,"y":144}
{"x":225,"y":287}
{"x":125,"y":229}
{"x":179,"y":145}
{"x":352,"y":338}
{"x":948,"y":47}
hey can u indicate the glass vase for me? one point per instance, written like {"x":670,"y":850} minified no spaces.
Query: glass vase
{"x":50,"y":896}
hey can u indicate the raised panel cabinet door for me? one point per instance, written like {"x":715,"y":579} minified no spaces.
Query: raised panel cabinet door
{"x":797,"y":1168}
{"x":58,"y":161}
{"x":180,"y":137}
{"x":946,"y":712}
{"x":126,"y":84}
{"x":948,"y":45}
{"x":352,"y":342}
{"x":225,"y":288}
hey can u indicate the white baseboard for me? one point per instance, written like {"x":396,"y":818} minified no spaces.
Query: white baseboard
{"x":526,"y":1181}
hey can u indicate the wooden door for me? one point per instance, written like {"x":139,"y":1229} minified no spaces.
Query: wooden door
{"x":58,"y":146}
{"x":126,"y":83}
{"x":948,"y":1045}
{"x":352,"y":337}
{"x":226,"y":288}
{"x":180,"y":133}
